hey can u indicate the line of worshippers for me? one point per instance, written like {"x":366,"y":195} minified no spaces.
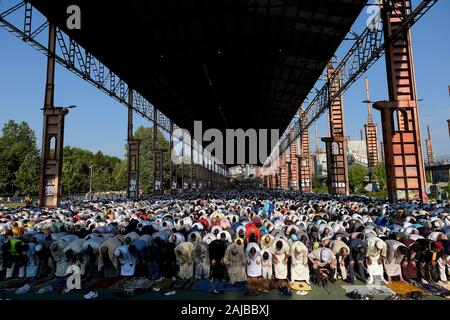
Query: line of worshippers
{"x":234,"y":237}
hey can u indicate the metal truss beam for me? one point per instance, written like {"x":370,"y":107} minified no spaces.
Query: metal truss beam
{"x":371,"y":131}
{"x":304,"y":162}
{"x":366,"y":50}
{"x":75,"y":58}
{"x":72,"y":56}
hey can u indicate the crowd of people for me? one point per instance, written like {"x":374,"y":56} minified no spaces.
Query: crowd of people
{"x":233,"y":236}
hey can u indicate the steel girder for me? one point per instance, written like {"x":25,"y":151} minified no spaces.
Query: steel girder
{"x":75,"y":58}
{"x":366,"y":50}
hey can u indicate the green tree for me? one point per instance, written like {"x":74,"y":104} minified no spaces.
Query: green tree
{"x":318,"y":186}
{"x":146,"y":158}
{"x":428,"y":176}
{"x":17,"y":141}
{"x":75,"y":172}
{"x":356,"y":177}
{"x":27,"y":177}
{"x":120,"y":175}
{"x":379,"y":173}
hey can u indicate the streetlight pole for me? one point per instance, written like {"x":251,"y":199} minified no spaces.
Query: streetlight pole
{"x":90,"y":184}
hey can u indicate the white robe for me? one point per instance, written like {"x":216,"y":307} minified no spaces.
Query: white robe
{"x":280,"y":266}
{"x":94,"y":242}
{"x":299,"y":262}
{"x":235,"y":263}
{"x":375,"y":268}
{"x":185,"y":260}
{"x":32,"y":261}
{"x":267,"y":265}
{"x":254,"y":268}
{"x":57,"y":251}
{"x":392,"y":263}
{"x":127,"y":261}
{"x":77,"y":247}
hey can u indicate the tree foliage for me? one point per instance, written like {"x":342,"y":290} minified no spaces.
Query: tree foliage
{"x":27,"y":176}
{"x":356,"y":177}
{"x":19,"y":164}
{"x":17,"y":151}
{"x":77,"y":171}
{"x":145,"y":135}
{"x":379,"y":173}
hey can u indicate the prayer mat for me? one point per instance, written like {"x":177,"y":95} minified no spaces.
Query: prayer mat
{"x":161,"y":284}
{"x":445,"y":285}
{"x":188,"y":285}
{"x":59,"y":284}
{"x":201,"y":285}
{"x":277,"y":284}
{"x":223,"y":286}
{"x":370,"y":290}
{"x":300,"y":286}
{"x":180,"y":284}
{"x":169,"y":285}
{"x":13,"y":284}
{"x":433,"y":289}
{"x":41,"y":283}
{"x":139,"y":283}
{"x":234,"y":287}
{"x":255,"y":284}
{"x":402,"y":287}
{"x":88,"y":282}
{"x":119,"y":284}
{"x":105,"y":283}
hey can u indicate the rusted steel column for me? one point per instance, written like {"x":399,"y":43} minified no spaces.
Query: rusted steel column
{"x":304,"y":161}
{"x":336,"y":144}
{"x":430,"y":155}
{"x":276,"y":184}
{"x":284,"y":170}
{"x":293,"y":164}
{"x":173,"y":166}
{"x":194,"y":167}
{"x":405,"y":170}
{"x":371,"y":137}
{"x":208,"y":174}
{"x":132,"y":154}
{"x":183,"y":167}
{"x":50,"y":174}
{"x":199,"y":169}
{"x":157,"y":157}
{"x":448,"y":124}
{"x":191,"y":166}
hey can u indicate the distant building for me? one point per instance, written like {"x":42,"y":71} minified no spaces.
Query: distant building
{"x":357,"y":152}
{"x":320,"y":164}
{"x":245,"y":171}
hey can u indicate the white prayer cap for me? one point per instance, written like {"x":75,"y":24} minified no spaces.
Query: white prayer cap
{"x":324,"y":255}
{"x":208,"y":238}
{"x":379,"y":244}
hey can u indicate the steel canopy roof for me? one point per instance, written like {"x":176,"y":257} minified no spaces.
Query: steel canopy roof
{"x":231,"y":63}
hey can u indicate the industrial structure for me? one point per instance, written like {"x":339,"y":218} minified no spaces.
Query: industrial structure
{"x":233,"y":64}
{"x":371,"y":137}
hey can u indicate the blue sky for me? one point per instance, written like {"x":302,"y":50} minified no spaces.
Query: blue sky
{"x":99,"y":122}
